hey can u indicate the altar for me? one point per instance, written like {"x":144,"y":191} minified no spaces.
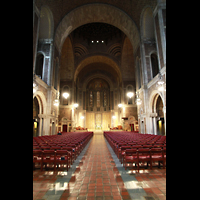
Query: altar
{"x":98,"y":127}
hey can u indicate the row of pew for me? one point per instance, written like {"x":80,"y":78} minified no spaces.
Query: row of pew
{"x":136,"y":150}
{"x":59,"y":150}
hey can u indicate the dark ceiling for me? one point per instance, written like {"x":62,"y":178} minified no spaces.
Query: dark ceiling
{"x":97,"y":31}
{"x":97,"y":68}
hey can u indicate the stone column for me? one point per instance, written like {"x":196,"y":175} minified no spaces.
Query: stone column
{"x":155,"y":125}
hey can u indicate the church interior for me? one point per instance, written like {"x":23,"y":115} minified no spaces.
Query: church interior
{"x":99,"y":78}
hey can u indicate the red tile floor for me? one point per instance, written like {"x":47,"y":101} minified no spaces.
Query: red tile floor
{"x":97,"y":177}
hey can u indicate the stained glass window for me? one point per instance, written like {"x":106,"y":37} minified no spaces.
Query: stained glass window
{"x":91,"y":99}
{"x":98,"y":99}
{"x":104,"y":99}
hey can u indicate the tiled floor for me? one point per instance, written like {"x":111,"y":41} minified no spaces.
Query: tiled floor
{"x":97,"y":174}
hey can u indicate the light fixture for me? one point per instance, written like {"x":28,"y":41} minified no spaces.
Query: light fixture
{"x":102,"y":41}
{"x":56,"y":101}
{"x":120,"y":105}
{"x":65,"y":95}
{"x":76,"y":105}
{"x":92,"y":41}
{"x":130,"y":94}
{"x":97,"y":41}
{"x":35,"y":85}
{"x":138,"y":101}
{"x":160,"y":84}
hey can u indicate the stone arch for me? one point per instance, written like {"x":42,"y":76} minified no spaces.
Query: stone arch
{"x":93,"y":59}
{"x":42,"y":101}
{"x":159,"y":124}
{"x":107,"y":79}
{"x":46,"y":26}
{"x":153,"y":100}
{"x":127,"y":59}
{"x":147,"y":24}
{"x":96,"y":13}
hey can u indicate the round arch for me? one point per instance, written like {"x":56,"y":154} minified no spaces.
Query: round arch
{"x":93,"y":59}
{"x":160,"y":124}
{"x":42,"y":101}
{"x":146,"y":24}
{"x":107,"y":79}
{"x":96,"y":13}
{"x":153,"y":100}
{"x":46,"y":23}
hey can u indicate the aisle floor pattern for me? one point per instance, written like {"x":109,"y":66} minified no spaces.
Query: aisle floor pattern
{"x":98,"y":175}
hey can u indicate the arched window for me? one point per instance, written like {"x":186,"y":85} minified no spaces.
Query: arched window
{"x":39,"y":65}
{"x":98,"y":99}
{"x":46,"y":23}
{"x":154,"y":64}
{"x":104,"y":99}
{"x":91,"y":99}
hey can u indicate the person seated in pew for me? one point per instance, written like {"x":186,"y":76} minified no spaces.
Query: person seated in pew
{"x":59,"y":133}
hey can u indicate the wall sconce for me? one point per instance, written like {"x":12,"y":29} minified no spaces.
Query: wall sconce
{"x":56,"y":101}
{"x":138,"y":101}
{"x":35,"y":85}
{"x":120,"y":105}
{"x":76,"y":105}
{"x":160,"y":84}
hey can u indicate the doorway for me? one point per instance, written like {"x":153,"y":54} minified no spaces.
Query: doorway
{"x":160,"y":117}
{"x":64,"y":128}
{"x":35,"y":128}
{"x":35,"y":117}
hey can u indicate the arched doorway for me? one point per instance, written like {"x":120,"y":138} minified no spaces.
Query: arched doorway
{"x":159,"y":116}
{"x":35,"y":117}
{"x":39,"y":113}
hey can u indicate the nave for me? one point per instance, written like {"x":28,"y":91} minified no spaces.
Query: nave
{"x":97,"y":174}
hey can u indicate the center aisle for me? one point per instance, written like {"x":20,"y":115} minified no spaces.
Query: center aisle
{"x":96,"y":177}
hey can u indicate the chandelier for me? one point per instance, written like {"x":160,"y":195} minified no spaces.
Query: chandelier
{"x":65,"y":95}
{"x":130,"y":94}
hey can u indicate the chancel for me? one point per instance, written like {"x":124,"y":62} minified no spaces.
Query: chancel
{"x":99,"y":79}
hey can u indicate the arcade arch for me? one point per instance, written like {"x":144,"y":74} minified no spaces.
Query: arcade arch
{"x":157,"y":115}
{"x":96,"y":13}
{"x":39,"y":113}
